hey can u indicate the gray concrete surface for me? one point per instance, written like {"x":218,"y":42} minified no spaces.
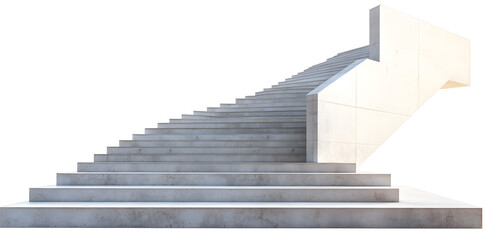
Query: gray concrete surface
{"x":416,"y":209}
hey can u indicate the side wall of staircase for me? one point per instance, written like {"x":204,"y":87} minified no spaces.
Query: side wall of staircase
{"x":356,"y":110}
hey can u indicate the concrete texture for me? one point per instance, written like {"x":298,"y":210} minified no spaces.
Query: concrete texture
{"x":222,"y":137}
{"x":212,"y":194}
{"x":416,"y":209}
{"x":214,"y":143}
{"x":215,"y":167}
{"x":200,"y":157}
{"x":224,"y":179}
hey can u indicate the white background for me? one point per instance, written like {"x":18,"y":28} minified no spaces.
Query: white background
{"x":77,"y":76}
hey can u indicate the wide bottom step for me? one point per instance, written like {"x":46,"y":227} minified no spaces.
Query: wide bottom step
{"x":416,"y":209}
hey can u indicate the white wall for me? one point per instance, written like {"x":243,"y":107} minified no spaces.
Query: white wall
{"x":77,"y":76}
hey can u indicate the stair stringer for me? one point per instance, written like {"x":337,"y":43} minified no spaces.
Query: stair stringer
{"x":354,"y":112}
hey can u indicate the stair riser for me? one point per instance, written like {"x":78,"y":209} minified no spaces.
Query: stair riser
{"x":217,"y":167}
{"x":207,"y":150}
{"x":239,"y":120}
{"x":284,"y":91}
{"x":272,"y":96}
{"x":231,"y":125}
{"x":288,"y":88}
{"x":223,"y":137}
{"x":186,"y":116}
{"x":257,"y":109}
{"x":281,"y":88}
{"x":223,"y":130}
{"x":215,"y":179}
{"x":288,"y":104}
{"x":199,"y":158}
{"x":212,"y":195}
{"x":301,"y":100}
{"x":251,"y":114}
{"x":247,"y":144}
{"x":234,"y":217}
{"x":298,"y":89}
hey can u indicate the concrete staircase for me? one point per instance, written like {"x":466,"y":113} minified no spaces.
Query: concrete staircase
{"x":267,"y":127}
{"x":251,"y":151}
{"x":238,"y":165}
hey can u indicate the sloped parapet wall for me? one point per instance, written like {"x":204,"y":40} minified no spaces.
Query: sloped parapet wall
{"x":356,"y":110}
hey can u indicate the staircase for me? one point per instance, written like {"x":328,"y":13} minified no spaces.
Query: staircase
{"x":267,"y":127}
{"x":238,"y":165}
{"x":251,"y":151}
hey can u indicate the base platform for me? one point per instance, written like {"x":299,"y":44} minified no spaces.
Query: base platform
{"x":416,"y":209}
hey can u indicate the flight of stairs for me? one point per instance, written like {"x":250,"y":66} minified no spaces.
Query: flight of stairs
{"x":251,"y":151}
{"x":269,"y":126}
{"x":239,"y":165}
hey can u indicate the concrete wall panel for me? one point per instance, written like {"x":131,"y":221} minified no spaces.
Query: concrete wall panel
{"x":355,"y":111}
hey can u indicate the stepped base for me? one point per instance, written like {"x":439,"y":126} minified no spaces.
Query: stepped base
{"x":415,"y":209}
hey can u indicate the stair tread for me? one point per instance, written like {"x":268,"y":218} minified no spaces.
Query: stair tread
{"x":409,"y":198}
{"x":215,"y":187}
{"x":219,"y":173}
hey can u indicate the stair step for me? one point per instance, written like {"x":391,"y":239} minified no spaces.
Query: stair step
{"x":313,"y":83}
{"x":331,"y":67}
{"x":206,"y":150}
{"x":281,"y":95}
{"x":223,"y":130}
{"x":223,"y":137}
{"x":416,"y":209}
{"x":234,"y":125}
{"x":267,"y":143}
{"x":199,"y":157}
{"x":271,"y":91}
{"x":283,"y":91}
{"x":289,"y":88}
{"x":242,"y":120}
{"x":251,"y":114}
{"x":349,"y":54}
{"x":307,"y":82}
{"x":213,"y":194}
{"x":301,"y":100}
{"x":224,"y":179}
{"x":333,"y":63}
{"x":315,"y":73}
{"x":215,"y":167}
{"x":256,"y":109}
{"x":344,"y":57}
{"x":334,"y":68}
{"x":257,"y":105}
{"x":304,"y":82}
